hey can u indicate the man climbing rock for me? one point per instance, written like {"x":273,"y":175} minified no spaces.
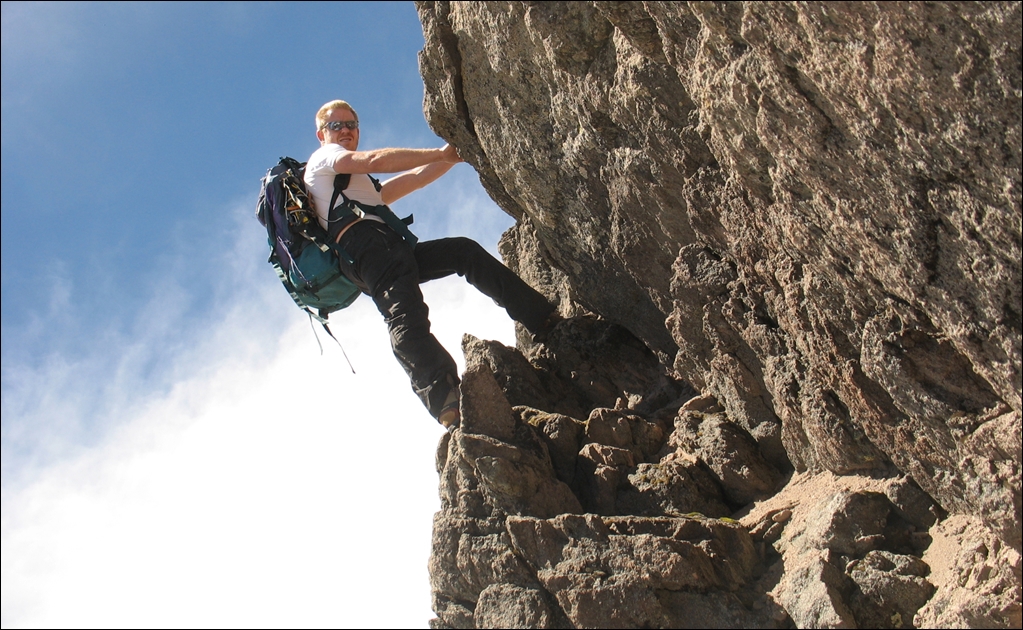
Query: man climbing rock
{"x":387,"y":263}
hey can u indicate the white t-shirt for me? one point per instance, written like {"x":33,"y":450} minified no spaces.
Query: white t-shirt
{"x":319,"y":180}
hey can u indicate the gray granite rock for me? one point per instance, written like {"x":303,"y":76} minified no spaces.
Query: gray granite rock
{"x":811,"y":214}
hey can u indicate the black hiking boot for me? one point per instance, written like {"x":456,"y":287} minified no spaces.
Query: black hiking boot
{"x":540,"y":336}
{"x":450,"y":416}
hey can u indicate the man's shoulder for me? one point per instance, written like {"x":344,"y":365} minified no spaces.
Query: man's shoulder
{"x":326,"y":151}
{"x":322,"y":159}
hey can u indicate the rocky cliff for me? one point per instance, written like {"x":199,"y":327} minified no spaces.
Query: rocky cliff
{"x":787,"y":239}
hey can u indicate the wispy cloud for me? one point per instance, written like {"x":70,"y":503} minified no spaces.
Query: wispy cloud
{"x":262,"y":484}
{"x":55,"y":403}
{"x":252,"y":494}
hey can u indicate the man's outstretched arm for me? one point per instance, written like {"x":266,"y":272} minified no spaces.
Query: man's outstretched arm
{"x":393,"y":160}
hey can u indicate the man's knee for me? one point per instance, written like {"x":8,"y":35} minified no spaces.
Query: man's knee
{"x":471,"y":255}
{"x":467,"y":247}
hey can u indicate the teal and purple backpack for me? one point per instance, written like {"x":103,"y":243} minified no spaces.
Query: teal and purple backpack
{"x":305,"y":260}
{"x":301,"y":251}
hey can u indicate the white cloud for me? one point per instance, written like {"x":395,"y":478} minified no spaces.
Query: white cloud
{"x":267,"y":485}
{"x":284,"y":493}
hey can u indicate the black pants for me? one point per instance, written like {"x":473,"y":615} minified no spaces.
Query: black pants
{"x":389,"y":270}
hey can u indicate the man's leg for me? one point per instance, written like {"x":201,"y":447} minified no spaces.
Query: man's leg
{"x":443,"y":257}
{"x":385,"y":268}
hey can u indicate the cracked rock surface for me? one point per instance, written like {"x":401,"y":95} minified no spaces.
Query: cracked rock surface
{"x":787,"y":239}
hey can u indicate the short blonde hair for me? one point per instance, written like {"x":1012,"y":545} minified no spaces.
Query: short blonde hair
{"x":321,"y":115}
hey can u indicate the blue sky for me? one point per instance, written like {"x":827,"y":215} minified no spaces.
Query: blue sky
{"x":175,"y":449}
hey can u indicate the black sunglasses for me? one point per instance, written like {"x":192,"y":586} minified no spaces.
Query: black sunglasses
{"x":338,"y":125}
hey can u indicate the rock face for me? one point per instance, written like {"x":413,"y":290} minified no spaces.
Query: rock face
{"x":806,"y":215}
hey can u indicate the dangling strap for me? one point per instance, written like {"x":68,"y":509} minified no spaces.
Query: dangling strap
{"x":320,"y":317}
{"x":327,"y":328}
{"x":323,"y":322}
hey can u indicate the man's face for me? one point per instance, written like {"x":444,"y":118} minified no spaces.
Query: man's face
{"x":347,"y":138}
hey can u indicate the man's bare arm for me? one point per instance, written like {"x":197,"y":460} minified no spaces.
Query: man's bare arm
{"x":411,"y":181}
{"x":393,"y":160}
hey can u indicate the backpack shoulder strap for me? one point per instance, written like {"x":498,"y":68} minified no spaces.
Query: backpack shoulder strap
{"x":339,"y":214}
{"x":341,"y":181}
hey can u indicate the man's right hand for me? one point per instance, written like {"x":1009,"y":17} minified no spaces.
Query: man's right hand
{"x":451,"y":155}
